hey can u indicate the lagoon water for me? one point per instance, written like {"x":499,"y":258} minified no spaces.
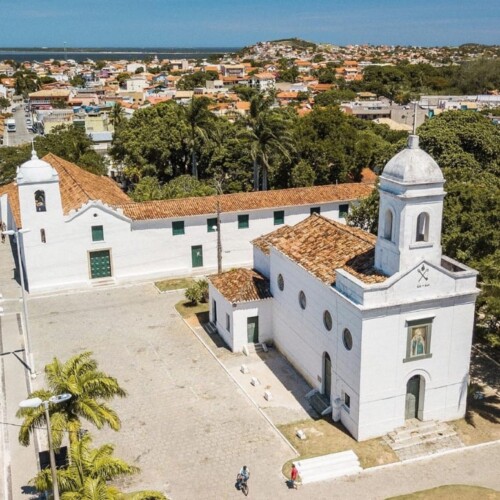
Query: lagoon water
{"x":110,"y":53}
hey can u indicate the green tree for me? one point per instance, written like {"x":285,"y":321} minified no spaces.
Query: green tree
{"x":199,"y":120}
{"x":334,"y":97}
{"x":117,"y":115}
{"x":271,"y":136}
{"x":302,"y":175}
{"x":88,"y":473}
{"x":12,"y":157}
{"x":148,"y":188}
{"x":197,"y":79}
{"x":90,"y":391}
{"x":185,"y":186}
{"x":78,"y":81}
{"x":4,"y":103}
{"x":72,"y":144}
{"x":154,"y":142}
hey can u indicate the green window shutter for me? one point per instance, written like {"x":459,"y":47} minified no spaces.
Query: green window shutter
{"x":97,"y":233}
{"x":343,"y":210}
{"x":212,"y":225}
{"x":315,"y":210}
{"x":243,"y":222}
{"x":178,"y":227}
{"x":279,"y":217}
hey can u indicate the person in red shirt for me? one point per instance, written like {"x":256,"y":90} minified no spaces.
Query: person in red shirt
{"x":293,"y":476}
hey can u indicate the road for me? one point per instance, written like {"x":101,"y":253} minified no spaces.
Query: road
{"x":21,"y":135}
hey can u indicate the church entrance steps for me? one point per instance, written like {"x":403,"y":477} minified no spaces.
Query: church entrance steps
{"x":327,"y":467}
{"x":319,"y":402}
{"x":210,"y":328}
{"x":99,"y":283}
{"x":254,"y":348}
{"x":417,"y":439}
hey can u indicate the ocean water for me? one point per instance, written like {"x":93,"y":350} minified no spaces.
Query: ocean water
{"x":112,"y":53}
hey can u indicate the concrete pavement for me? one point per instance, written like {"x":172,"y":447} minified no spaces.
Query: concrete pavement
{"x":185,"y":422}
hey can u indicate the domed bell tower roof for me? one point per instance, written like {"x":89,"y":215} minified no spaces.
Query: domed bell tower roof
{"x":36,"y":171}
{"x":412,"y":166}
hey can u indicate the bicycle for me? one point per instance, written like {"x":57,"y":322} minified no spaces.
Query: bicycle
{"x":242,"y":483}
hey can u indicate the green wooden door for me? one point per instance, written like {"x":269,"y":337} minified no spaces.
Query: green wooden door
{"x":197,"y":256}
{"x":412,"y":395}
{"x":253,"y":330}
{"x":100,"y":264}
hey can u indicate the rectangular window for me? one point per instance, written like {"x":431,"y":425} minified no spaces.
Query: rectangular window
{"x":228,"y":323}
{"x":279,"y":217}
{"x":97,"y":233}
{"x":418,"y":345}
{"x":343,"y":210}
{"x":347,"y":400}
{"x":243,"y":222}
{"x":315,"y":210}
{"x":42,"y":236}
{"x":178,"y":227}
{"x":212,"y":225}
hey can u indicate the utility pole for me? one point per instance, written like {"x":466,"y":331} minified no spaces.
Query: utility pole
{"x":219,"y":241}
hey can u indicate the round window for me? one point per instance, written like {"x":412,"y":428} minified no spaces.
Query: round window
{"x":347,"y":339}
{"x":281,"y":282}
{"x":302,"y":299}
{"x":327,"y":320}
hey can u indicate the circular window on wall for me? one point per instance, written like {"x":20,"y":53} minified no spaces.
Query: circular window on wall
{"x":347,"y":339}
{"x":327,"y":320}
{"x":281,"y":282}
{"x":302,"y":299}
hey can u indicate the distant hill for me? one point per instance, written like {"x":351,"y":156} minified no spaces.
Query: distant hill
{"x":296,"y":43}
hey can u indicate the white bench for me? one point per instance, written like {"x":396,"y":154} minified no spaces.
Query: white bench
{"x":328,"y":466}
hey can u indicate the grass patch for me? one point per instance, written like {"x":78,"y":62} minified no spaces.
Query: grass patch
{"x":187,"y":309}
{"x":174,"y":284}
{"x":455,"y":491}
{"x":142,"y":495}
{"x":325,"y":436}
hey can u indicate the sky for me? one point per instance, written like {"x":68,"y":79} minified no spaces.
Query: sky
{"x":235,"y":23}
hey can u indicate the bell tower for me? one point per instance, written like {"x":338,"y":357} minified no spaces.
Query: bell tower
{"x":410,"y":212}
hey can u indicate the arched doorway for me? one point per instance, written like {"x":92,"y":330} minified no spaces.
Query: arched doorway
{"x":415,"y":390}
{"x":327,"y":376}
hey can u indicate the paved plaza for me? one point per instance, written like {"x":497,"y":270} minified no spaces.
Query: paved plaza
{"x":185,"y":422}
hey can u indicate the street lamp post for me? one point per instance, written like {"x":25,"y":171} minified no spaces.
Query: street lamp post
{"x":35,"y":403}
{"x":11,"y":232}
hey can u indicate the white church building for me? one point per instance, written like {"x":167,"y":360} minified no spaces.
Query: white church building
{"x":381,"y":326}
{"x":78,"y":230}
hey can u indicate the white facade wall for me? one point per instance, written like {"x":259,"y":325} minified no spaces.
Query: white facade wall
{"x":139,"y":249}
{"x":385,"y":372}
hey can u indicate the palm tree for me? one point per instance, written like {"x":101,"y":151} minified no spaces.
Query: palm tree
{"x":117,"y":115}
{"x":87,"y":474}
{"x":198,"y":118}
{"x":270,"y":135}
{"x":89,"y":388}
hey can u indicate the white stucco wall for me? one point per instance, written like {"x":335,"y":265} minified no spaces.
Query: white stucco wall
{"x":385,"y":372}
{"x":139,"y":249}
{"x":236,"y":336}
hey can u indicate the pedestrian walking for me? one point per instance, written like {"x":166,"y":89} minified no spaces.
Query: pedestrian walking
{"x":294,"y":475}
{"x":3,"y":228}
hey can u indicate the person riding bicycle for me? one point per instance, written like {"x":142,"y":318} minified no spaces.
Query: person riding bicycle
{"x":243,"y":476}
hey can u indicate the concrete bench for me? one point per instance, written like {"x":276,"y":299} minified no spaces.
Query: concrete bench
{"x":328,"y":466}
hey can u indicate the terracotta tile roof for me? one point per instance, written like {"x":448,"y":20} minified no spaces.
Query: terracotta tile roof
{"x":77,"y":187}
{"x":265,"y":241}
{"x":321,"y":246}
{"x":241,"y":285}
{"x":202,"y":205}
{"x":11,"y":191}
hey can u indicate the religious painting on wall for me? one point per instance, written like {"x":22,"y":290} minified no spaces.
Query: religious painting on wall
{"x":418,"y":341}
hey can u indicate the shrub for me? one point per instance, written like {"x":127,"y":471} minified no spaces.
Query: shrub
{"x":197,"y":292}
